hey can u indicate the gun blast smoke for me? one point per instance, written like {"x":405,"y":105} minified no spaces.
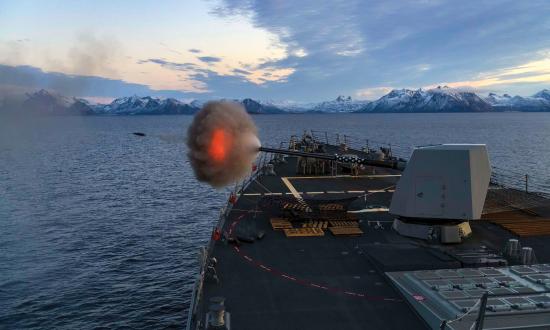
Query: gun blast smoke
{"x":223,"y":143}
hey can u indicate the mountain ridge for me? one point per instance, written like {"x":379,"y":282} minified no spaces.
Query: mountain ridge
{"x":436,"y":100}
{"x":440,"y":99}
{"x":539,"y":102}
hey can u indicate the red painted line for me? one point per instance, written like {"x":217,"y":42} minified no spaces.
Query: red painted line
{"x":289,"y":277}
{"x":301,"y":281}
{"x":234,"y":223}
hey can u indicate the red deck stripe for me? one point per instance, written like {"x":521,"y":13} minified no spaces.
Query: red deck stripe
{"x":301,"y":281}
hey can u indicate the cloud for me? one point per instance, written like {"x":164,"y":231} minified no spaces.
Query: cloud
{"x":170,"y":65}
{"x":422,"y":67}
{"x":372,"y":93}
{"x":89,"y":55}
{"x":209,"y":59}
{"x":241,"y":71}
{"x":204,"y":76}
{"x":532,"y":72}
{"x":382,"y":43}
{"x":342,"y":47}
{"x":92,"y":55}
{"x":257,"y":82}
{"x":170,"y":49}
{"x":32,"y":78}
{"x":14,"y":51}
{"x":99,"y":99}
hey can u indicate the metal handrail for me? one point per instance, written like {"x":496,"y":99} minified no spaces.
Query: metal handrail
{"x":501,"y":177}
{"x":196,"y":295}
{"x":483,"y":308}
{"x":197,"y":289}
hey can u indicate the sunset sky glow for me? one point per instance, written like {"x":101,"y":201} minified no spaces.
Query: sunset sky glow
{"x":273,"y":49}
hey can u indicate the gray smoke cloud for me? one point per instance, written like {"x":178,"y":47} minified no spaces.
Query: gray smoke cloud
{"x":90,"y":56}
{"x":223,"y":143}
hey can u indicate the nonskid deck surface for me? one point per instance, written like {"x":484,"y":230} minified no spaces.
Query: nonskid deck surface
{"x":303,"y":283}
{"x":327,"y":282}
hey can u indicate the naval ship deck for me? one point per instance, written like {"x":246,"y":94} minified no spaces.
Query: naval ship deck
{"x":328,"y":282}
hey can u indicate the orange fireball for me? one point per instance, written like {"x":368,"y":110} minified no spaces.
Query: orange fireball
{"x":219,"y":145}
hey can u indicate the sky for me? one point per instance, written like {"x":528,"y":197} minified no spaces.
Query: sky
{"x":303,"y":51}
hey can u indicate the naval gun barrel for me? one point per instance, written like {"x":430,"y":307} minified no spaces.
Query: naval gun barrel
{"x":298,"y":153}
{"x":347,"y":158}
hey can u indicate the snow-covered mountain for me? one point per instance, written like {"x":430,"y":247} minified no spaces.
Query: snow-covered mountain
{"x":440,"y":99}
{"x":251,"y":106}
{"x":135,"y":105}
{"x":255,"y":107}
{"x":495,"y":99}
{"x":341,"y":104}
{"x":543,"y":94}
{"x":536,"y":103}
{"x":197,"y":103}
{"x":290,"y":106}
{"x":44,"y":102}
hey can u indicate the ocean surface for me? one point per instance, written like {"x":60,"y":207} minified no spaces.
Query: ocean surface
{"x":100,"y":228}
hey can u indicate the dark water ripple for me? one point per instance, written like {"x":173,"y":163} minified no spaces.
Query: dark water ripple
{"x":100,"y":228}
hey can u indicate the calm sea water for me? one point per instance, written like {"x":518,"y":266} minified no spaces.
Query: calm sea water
{"x":100,"y":228}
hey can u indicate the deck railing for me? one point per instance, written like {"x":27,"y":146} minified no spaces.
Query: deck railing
{"x":500,"y":177}
{"x":481,"y":311}
{"x":237,"y":190}
{"x":197,"y":288}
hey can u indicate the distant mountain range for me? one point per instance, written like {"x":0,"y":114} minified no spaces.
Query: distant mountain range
{"x":135,"y":105}
{"x":538,"y":102}
{"x":341,"y":104}
{"x":440,"y":99}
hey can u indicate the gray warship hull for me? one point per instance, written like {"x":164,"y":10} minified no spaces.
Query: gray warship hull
{"x":343,"y":266}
